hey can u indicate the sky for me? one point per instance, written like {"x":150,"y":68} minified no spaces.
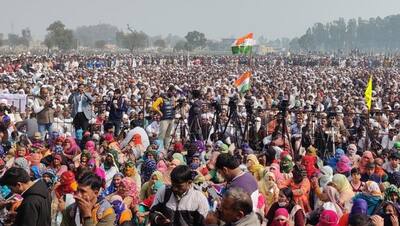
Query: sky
{"x":216,"y":18}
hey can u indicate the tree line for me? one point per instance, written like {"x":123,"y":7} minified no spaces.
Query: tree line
{"x":101,"y":35}
{"x":376,"y":34}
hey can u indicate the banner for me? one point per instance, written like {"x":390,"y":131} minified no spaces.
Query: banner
{"x":17,"y":100}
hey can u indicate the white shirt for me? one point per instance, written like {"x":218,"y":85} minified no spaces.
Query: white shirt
{"x":80,"y":103}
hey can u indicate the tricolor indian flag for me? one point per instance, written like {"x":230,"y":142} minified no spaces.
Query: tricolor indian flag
{"x":243,"y":82}
{"x":244,"y":44}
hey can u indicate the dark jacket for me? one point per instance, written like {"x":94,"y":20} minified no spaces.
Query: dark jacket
{"x":35,"y":209}
{"x":167,"y":109}
{"x":116,"y":112}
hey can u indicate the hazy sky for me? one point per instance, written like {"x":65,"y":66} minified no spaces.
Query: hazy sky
{"x":216,"y":18}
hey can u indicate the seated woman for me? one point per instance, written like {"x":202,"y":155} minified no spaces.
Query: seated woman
{"x":285,"y":200}
{"x":372,"y":195}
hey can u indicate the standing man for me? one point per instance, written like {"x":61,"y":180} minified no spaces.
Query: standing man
{"x":228,"y":167}
{"x":35,"y":209}
{"x":165,"y":107}
{"x":43,"y":108}
{"x":81,"y":104}
{"x":117,"y":106}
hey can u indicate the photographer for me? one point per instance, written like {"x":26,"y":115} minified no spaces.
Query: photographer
{"x":117,"y":106}
{"x":43,"y":108}
{"x":165,"y":107}
{"x":194,"y":116}
{"x":81,"y":104}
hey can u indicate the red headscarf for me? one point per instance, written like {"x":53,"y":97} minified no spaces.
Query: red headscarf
{"x":281,"y":217}
{"x":67,"y":185}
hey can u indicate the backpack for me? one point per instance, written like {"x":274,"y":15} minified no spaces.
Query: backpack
{"x":162,"y":207}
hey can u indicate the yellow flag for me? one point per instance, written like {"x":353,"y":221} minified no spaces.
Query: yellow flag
{"x":368,"y":94}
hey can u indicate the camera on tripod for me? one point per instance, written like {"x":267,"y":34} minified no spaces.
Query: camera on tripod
{"x":283,"y":105}
{"x":233,"y":102}
{"x":249,"y":105}
{"x":216,"y":105}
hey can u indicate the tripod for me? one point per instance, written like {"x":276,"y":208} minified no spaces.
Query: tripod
{"x":234,"y":117}
{"x":182,"y":129}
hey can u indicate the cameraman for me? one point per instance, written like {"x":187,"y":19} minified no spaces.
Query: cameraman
{"x":194,"y":116}
{"x":43,"y":108}
{"x":165,"y":107}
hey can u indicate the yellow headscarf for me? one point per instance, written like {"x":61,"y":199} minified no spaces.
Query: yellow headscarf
{"x":256,"y":168}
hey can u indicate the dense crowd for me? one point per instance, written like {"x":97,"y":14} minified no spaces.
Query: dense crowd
{"x":168,"y":140}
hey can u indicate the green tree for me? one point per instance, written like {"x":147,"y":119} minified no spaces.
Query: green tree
{"x":181,"y":46}
{"x":88,"y":35}
{"x":59,"y":36}
{"x":195,"y":40}
{"x":160,"y":43}
{"x":100,"y":44}
{"x":133,"y":41}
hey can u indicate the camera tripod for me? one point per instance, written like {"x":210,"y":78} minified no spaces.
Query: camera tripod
{"x":234,"y":118}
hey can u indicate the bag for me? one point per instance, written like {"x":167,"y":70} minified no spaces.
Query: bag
{"x":162,"y":207}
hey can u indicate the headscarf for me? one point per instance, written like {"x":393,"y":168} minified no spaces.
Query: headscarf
{"x":68,"y":184}
{"x":341,"y":182}
{"x":286,"y":162}
{"x":343,"y":165}
{"x":333,"y":196}
{"x":137,"y":139}
{"x":74,"y":148}
{"x":333,"y":161}
{"x":130,"y":169}
{"x":22,"y":163}
{"x":277,"y":172}
{"x":149,"y":167}
{"x":112,"y":188}
{"x":281,"y":213}
{"x":97,"y":170}
{"x":312,"y":151}
{"x":159,"y":176}
{"x":343,"y":186}
{"x":360,"y":206}
{"x":352,"y":149}
{"x":36,"y":172}
{"x":180,"y":157}
{"x":328,"y":218}
{"x":90,"y":146}
{"x":128,"y":188}
{"x":255,"y":167}
{"x":326,"y":177}
{"x":366,"y":158}
{"x":114,"y":156}
{"x":372,"y":188}
{"x":392,"y":189}
{"x":119,"y":208}
{"x":162,"y":166}
{"x":309,"y":162}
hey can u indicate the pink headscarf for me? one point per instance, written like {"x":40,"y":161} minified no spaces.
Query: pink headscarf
{"x":277,"y":172}
{"x":90,"y":146}
{"x":328,"y":218}
{"x":97,"y":170}
{"x":343,"y":165}
{"x":366,"y":158}
{"x":281,"y":213}
{"x":161,"y":166}
{"x":128,"y":188}
{"x":74,"y":148}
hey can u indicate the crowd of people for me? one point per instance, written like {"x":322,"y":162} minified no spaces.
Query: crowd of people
{"x":169,"y":140}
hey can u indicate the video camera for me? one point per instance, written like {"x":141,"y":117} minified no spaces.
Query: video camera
{"x":283,"y":105}
{"x":249,"y":105}
{"x":216,"y":105}
{"x":233,"y":101}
